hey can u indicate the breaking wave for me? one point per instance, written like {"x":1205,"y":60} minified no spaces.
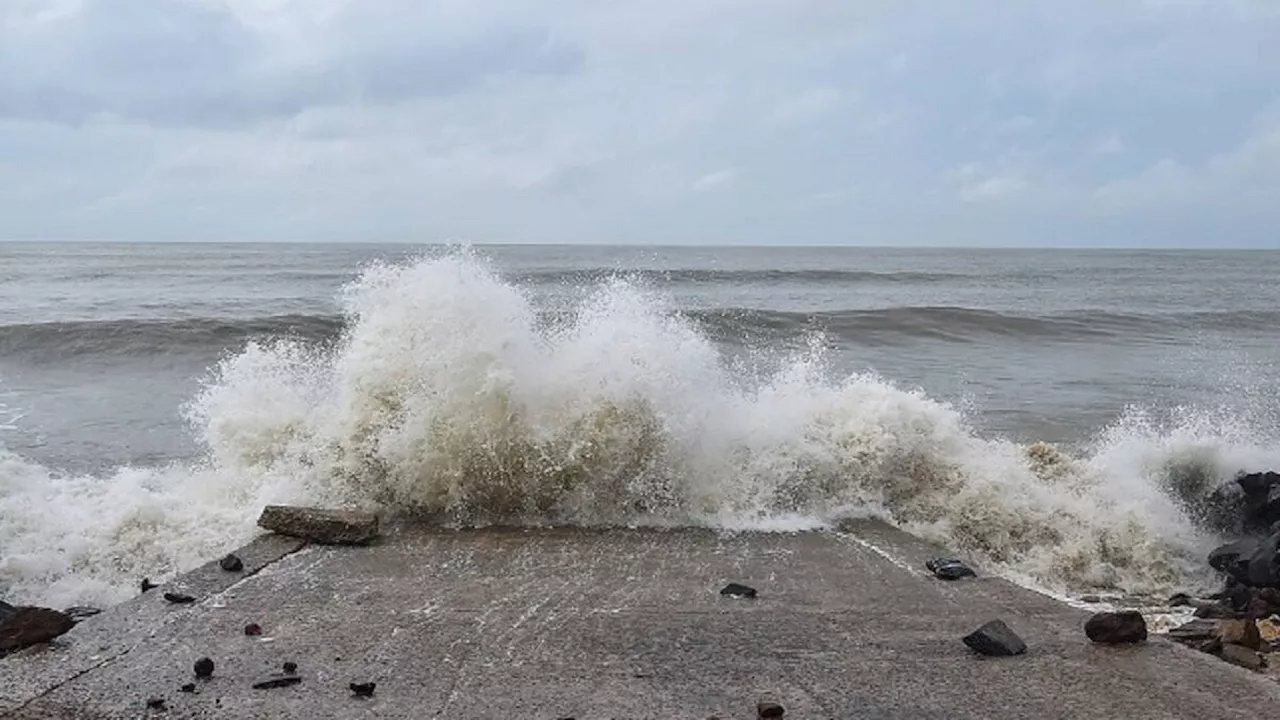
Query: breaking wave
{"x":447,"y":396}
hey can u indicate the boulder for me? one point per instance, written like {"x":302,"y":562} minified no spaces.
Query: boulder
{"x":1233,"y":558}
{"x":23,"y":627}
{"x":1264,"y":564}
{"x":995,"y":639}
{"x":1117,"y":628}
{"x":1240,"y":632}
{"x":1248,"y":504}
{"x":327,"y":527}
{"x":1243,"y":656}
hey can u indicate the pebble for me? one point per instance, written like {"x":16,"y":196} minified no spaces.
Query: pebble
{"x":189,"y":688}
{"x":252,"y":630}
{"x":949,"y":569}
{"x":291,"y":668}
{"x":364,"y":690}
{"x":155,"y":704}
{"x":179,"y":598}
{"x":769,"y":709}
{"x":204,"y":668}
{"x":995,"y":639}
{"x":274,"y":683}
{"x":231,"y":563}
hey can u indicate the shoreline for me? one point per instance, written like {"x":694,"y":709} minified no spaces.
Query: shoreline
{"x":517,"y":622}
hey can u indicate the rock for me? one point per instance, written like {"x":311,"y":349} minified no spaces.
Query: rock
{"x":1214,"y":611}
{"x":1232,"y":559}
{"x":148,"y":586}
{"x":155,"y":704}
{"x":79,"y":613}
{"x":995,"y":639}
{"x":231,"y":563}
{"x":1269,"y":630}
{"x":769,"y":709}
{"x":252,"y":630}
{"x":1243,"y":656}
{"x":279,"y":682}
{"x":291,"y":668}
{"x":1240,"y":632}
{"x":738,"y":591}
{"x":5,"y":608}
{"x":179,"y":598}
{"x":1117,"y":628}
{"x":204,"y":668}
{"x":1264,"y":564}
{"x":364,"y":690}
{"x":329,"y":527}
{"x":1248,"y":504}
{"x":1196,"y":633}
{"x":189,"y":688}
{"x":1181,"y":600}
{"x":23,"y":627}
{"x":949,"y":569}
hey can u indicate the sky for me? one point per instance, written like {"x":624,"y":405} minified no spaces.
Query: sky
{"x":860,"y":122}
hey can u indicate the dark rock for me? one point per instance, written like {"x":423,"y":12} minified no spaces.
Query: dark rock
{"x":1243,"y":656}
{"x":949,"y":569}
{"x":1194,"y":630}
{"x":1264,"y":564}
{"x":23,"y":627}
{"x":204,"y":668}
{"x":5,"y":608}
{"x":252,"y":630}
{"x":1232,"y":559}
{"x":364,"y":690}
{"x":1240,"y":632}
{"x":996,"y":640}
{"x":738,"y":591}
{"x":1214,"y":611}
{"x":179,"y":598}
{"x":231,"y":563}
{"x":291,"y":668}
{"x":1249,"y":504}
{"x":155,"y":704}
{"x":1117,"y":628}
{"x":331,"y":527}
{"x":279,"y":682}
{"x":769,"y":709}
{"x":189,"y":688}
{"x":81,"y":613}
{"x":1181,"y":600}
{"x":148,"y":586}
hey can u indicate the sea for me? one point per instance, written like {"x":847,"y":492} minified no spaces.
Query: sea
{"x":1057,"y":415}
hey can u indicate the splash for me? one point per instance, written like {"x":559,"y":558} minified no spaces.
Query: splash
{"x":448,"y":396}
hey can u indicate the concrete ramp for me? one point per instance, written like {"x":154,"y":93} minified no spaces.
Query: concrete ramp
{"x":612,"y":624}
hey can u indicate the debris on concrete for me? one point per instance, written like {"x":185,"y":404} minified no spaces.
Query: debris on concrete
{"x":252,"y":630}
{"x":231,"y":563}
{"x":179,"y":598}
{"x":769,"y":709}
{"x":949,"y":569}
{"x":277,"y":682}
{"x":738,"y":591}
{"x":1117,"y":628}
{"x":327,"y":527}
{"x":188,"y":688}
{"x":147,"y":585}
{"x":363,"y":690}
{"x":291,"y":668}
{"x":995,"y":639}
{"x":23,"y":627}
{"x":204,"y":668}
{"x":79,"y":612}
{"x":156,"y":704}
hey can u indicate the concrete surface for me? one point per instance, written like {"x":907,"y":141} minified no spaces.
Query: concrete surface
{"x":510,"y":623}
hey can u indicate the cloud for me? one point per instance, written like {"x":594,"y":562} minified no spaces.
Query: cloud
{"x":671,"y":121}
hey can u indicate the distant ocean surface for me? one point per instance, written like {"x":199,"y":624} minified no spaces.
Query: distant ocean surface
{"x":1058,"y":413}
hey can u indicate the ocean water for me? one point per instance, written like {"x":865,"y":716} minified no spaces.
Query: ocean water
{"x":1056,"y":414}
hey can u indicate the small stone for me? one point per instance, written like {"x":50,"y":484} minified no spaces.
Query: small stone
{"x":79,"y":613}
{"x":231,"y":563}
{"x":1117,"y":628}
{"x":189,"y":688}
{"x":332,"y":527}
{"x":995,"y":639}
{"x":738,"y":591}
{"x":204,"y":668}
{"x":26,"y":626}
{"x":291,"y":668}
{"x":1240,"y":632}
{"x":148,"y":586}
{"x":949,"y":569}
{"x":252,"y":630}
{"x":275,"y":683}
{"x":155,"y":704}
{"x":1243,"y":656}
{"x":179,"y":598}
{"x":1269,"y":630}
{"x":364,"y":690}
{"x":769,"y":709}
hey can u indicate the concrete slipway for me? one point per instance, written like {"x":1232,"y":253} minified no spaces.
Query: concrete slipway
{"x":562,"y":623}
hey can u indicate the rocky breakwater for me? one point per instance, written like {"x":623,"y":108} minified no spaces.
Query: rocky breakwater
{"x":1241,"y":623}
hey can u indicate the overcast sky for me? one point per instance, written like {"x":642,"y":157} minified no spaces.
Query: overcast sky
{"x":1062,"y":122}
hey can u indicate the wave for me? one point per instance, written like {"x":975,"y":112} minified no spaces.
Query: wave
{"x":593,"y":275}
{"x":446,"y":397}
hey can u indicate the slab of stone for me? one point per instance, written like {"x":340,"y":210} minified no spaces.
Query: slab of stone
{"x":320,"y":525}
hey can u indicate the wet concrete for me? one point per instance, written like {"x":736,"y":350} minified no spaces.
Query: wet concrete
{"x":509,"y":623}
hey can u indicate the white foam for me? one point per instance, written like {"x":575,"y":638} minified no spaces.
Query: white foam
{"x":448,"y":397}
